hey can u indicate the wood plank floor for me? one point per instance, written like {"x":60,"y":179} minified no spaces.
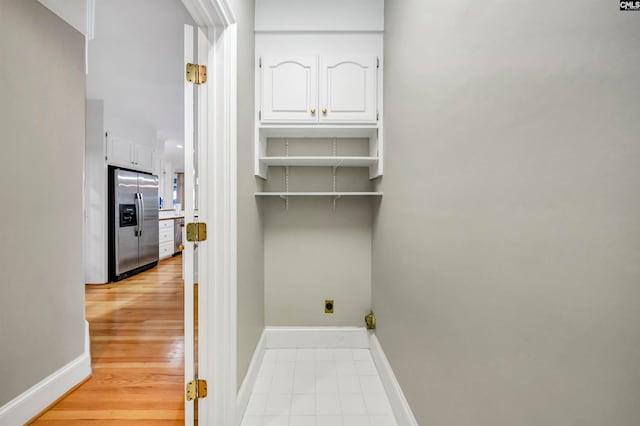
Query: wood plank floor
{"x":137,"y":353}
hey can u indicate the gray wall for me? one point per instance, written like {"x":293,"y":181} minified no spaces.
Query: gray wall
{"x":506,"y":251}
{"x":314,"y":252}
{"x":42,"y":105}
{"x":250,"y":233}
{"x":95,"y":195}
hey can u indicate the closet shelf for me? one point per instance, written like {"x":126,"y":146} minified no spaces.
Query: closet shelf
{"x":349,"y":161}
{"x":318,"y":131}
{"x":318,"y":194}
{"x":371,"y":132}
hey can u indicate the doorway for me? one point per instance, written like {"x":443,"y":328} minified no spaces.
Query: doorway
{"x":215,"y":150}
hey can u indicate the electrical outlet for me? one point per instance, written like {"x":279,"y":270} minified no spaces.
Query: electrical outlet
{"x":328,"y":306}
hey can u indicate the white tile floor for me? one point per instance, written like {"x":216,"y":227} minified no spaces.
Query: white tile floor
{"x":318,"y":387}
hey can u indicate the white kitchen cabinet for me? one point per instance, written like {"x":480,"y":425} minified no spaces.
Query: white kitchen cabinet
{"x":143,"y":157}
{"x":289,"y":89}
{"x":165,"y":251}
{"x":120,"y":151}
{"x":347,"y":89}
{"x":329,"y":96}
{"x":346,"y":86}
{"x":165,"y":238}
{"x":123,"y":152}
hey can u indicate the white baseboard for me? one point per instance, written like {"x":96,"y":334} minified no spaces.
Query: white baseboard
{"x":316,"y":337}
{"x":34,"y":400}
{"x":399,"y":404}
{"x":250,"y":378}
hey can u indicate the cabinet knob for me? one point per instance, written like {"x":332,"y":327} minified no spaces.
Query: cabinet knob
{"x":313,"y":110}
{"x":324,"y":110}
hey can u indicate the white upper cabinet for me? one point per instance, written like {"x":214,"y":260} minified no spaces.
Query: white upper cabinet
{"x":143,"y":157}
{"x":319,"y":74}
{"x":289,"y":89}
{"x":348,"y":89}
{"x":122,"y":152}
{"x":335,"y":89}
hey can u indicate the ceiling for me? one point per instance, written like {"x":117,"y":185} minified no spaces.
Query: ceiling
{"x":136,"y":66}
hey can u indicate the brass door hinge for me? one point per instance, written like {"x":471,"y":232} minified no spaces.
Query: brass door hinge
{"x":196,"y":389}
{"x":196,"y":231}
{"x":196,"y":74}
{"x":370,"y":321}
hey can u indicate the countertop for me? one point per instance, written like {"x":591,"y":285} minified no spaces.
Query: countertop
{"x":171,"y":218}
{"x":170,"y":214}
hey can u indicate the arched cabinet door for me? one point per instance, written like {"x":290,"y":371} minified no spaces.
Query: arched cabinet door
{"x":289,"y":89}
{"x":348,"y":89}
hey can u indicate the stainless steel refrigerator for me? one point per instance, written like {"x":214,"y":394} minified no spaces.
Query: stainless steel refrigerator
{"x":133,"y":222}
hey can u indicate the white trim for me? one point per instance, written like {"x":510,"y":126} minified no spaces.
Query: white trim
{"x":91,"y":19}
{"x":222,"y":255}
{"x":318,"y":194}
{"x":250,"y":378}
{"x":210,"y":13}
{"x":218,"y":329}
{"x":38,"y":397}
{"x":399,"y":404}
{"x":316,"y":337}
{"x":231,"y":94}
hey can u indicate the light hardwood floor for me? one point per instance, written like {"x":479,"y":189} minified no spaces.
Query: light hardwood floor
{"x":137,"y":353}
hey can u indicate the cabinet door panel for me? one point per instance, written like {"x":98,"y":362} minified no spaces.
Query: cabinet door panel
{"x":289,"y":89}
{"x":348,"y":89}
{"x":120,"y":152}
{"x":144,"y":157}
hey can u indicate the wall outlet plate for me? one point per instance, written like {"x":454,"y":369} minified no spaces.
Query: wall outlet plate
{"x":328,"y":306}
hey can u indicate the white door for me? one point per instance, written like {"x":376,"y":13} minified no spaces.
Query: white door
{"x":348,"y":89}
{"x":289,"y":89}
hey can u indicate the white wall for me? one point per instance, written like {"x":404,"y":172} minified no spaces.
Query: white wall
{"x":135,"y":66}
{"x":165,"y":176}
{"x":507,"y":247}
{"x":41,"y":167}
{"x":95,"y":196}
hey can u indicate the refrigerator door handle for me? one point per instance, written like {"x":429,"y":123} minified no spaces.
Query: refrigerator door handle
{"x":141,"y":219}
{"x":138,"y":217}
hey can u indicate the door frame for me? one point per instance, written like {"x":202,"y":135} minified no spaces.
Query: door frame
{"x":217,"y":137}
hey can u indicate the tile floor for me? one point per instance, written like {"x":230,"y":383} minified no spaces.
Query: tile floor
{"x":318,"y":387}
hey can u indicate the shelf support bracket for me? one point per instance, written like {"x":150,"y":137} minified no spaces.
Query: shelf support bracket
{"x":286,"y":184}
{"x":334,"y":186}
